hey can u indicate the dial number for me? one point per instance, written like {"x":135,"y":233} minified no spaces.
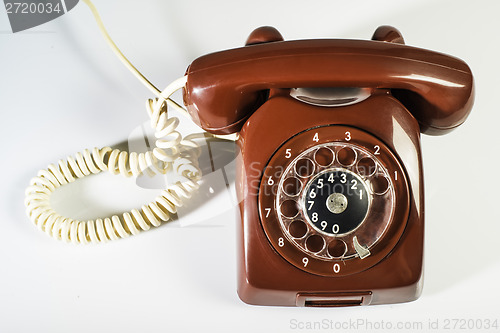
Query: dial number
{"x":343,"y":178}
{"x":314,"y":217}
{"x":324,"y":224}
{"x":305,"y":261}
{"x":330,"y":178}
{"x":347,"y":136}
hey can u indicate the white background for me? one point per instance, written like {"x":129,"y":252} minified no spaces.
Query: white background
{"x":62,"y":90}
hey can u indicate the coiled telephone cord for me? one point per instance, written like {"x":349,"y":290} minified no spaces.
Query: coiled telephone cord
{"x":171,"y":152}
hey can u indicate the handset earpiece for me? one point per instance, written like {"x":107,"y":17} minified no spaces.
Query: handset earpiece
{"x":261,"y":35}
{"x":431,"y":120}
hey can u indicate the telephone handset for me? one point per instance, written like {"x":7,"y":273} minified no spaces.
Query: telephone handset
{"x":224,"y":88}
{"x":329,"y":178}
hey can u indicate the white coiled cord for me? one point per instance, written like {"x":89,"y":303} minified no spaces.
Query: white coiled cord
{"x":171,"y":151}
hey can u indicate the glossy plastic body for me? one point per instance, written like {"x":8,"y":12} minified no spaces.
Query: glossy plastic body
{"x":267,"y":278}
{"x":247,"y":90}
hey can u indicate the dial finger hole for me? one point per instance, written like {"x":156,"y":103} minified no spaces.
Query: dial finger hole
{"x":289,"y":208}
{"x":337,"y":248}
{"x":297,"y":229}
{"x":315,"y":243}
{"x":324,"y":156}
{"x":366,"y":167}
{"x":292,"y":186}
{"x":304,"y":167}
{"x":346,"y":156}
{"x":379,"y":184}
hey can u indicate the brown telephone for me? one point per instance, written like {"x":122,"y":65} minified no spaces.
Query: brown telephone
{"x":330,"y":177}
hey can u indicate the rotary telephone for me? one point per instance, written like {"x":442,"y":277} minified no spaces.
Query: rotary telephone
{"x":329,"y":179}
